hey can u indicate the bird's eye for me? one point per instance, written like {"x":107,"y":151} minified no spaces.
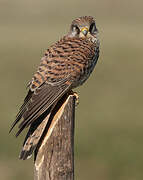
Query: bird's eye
{"x":75,"y":29}
{"x":92,"y":28}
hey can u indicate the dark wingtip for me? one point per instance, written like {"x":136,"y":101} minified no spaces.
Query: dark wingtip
{"x":17,"y":134}
{"x":15,"y":122}
{"x":11,"y":129}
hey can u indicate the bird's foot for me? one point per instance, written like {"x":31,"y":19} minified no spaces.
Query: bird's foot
{"x":76,"y":97}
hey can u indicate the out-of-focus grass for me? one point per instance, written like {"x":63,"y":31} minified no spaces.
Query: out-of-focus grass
{"x":108,"y":134}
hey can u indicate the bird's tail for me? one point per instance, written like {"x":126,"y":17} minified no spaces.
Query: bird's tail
{"x":33,"y":137}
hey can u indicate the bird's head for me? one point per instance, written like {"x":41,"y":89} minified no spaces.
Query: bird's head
{"x":84,"y":27}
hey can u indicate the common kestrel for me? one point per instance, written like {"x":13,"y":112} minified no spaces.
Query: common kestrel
{"x":65,"y":65}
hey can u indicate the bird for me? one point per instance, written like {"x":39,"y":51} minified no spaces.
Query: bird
{"x":65,"y":65}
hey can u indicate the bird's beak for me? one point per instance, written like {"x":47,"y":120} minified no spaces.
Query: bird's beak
{"x":84,"y":31}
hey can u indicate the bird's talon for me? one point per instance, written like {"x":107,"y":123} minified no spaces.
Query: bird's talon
{"x":76,"y":97}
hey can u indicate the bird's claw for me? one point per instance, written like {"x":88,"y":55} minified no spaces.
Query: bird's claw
{"x":76,"y":97}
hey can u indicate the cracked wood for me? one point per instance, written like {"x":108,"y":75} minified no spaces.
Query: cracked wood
{"x":54,"y":159}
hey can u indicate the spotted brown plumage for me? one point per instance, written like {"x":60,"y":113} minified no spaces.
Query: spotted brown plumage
{"x":65,"y":65}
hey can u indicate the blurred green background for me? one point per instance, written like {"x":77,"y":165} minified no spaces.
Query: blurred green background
{"x":109,"y":118}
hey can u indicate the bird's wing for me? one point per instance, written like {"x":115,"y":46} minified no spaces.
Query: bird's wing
{"x":46,"y":88}
{"x":39,"y":102}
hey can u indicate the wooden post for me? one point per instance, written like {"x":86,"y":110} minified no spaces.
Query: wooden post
{"x":54,"y":158}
